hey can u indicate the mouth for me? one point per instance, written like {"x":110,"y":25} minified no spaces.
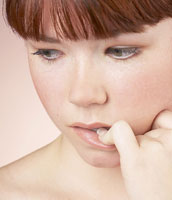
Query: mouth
{"x":90,"y":136}
{"x":93,"y":126}
{"x":90,"y":132}
{"x":96,"y":129}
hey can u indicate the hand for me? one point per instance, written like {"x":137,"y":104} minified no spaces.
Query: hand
{"x":145,"y":160}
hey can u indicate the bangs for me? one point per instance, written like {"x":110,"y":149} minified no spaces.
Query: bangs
{"x":84,"y":19}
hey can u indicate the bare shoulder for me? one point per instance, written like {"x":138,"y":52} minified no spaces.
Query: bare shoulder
{"x":17,"y":178}
{"x":7,"y":185}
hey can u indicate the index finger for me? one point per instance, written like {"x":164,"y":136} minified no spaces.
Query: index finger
{"x":122,"y":135}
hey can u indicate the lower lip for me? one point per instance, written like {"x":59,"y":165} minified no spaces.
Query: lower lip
{"x":91,"y":137}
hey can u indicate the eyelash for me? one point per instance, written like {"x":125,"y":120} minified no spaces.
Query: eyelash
{"x":133,"y":50}
{"x":41,"y":54}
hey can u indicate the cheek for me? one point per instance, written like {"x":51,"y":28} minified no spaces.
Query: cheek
{"x":139,"y":97}
{"x":150,"y":90}
{"x":51,"y":90}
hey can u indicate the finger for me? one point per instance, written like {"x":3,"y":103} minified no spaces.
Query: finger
{"x":123,"y":137}
{"x":105,"y":136}
{"x":154,"y":133}
{"x":163,"y":120}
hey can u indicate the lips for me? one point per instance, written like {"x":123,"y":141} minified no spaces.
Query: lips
{"x":90,"y":137}
{"x":91,"y":126}
{"x":88,"y":134}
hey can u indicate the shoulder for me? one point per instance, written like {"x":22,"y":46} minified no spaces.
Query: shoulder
{"x":8,"y":183}
{"x":16,"y":178}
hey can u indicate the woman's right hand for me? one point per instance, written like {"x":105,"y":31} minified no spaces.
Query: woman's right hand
{"x":145,"y":160}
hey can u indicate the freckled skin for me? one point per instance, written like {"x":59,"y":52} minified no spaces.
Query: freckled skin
{"x":85,"y":85}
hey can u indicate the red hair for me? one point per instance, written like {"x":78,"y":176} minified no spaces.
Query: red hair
{"x":84,"y":19}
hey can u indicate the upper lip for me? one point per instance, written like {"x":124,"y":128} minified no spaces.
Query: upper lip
{"x":91,"y":126}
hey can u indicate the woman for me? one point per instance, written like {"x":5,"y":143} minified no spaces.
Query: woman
{"x":102,"y":70}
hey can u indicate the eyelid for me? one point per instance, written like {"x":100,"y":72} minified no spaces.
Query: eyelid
{"x":40,"y":51}
{"x":123,"y":47}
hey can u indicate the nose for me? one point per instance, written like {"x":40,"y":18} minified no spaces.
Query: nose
{"x":87,"y":89}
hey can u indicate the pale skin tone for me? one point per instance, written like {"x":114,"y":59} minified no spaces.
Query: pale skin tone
{"x":133,"y":95}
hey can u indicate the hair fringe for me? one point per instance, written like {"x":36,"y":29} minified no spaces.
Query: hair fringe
{"x":84,"y":19}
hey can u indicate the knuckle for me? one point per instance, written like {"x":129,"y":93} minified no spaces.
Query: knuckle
{"x":151,"y":144}
{"x":154,"y":133}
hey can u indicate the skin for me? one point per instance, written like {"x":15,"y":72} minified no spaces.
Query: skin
{"x":146,"y":159}
{"x":99,"y":88}
{"x":91,"y":86}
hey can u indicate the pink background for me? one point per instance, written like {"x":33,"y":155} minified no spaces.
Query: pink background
{"x":24,"y":124}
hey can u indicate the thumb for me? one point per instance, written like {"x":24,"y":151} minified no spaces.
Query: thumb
{"x":163,"y":120}
{"x":123,"y":137}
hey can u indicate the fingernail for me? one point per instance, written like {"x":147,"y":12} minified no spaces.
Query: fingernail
{"x":101,"y":131}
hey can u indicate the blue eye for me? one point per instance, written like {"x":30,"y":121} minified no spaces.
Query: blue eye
{"x":122,"y":53}
{"x":49,"y":55}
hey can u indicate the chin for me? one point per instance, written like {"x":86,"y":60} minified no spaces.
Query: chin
{"x":101,"y":159}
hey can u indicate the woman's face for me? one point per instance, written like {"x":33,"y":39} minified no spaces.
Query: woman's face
{"x":128,"y":77}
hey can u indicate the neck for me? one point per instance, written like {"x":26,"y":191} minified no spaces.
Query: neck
{"x":76,"y":171}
